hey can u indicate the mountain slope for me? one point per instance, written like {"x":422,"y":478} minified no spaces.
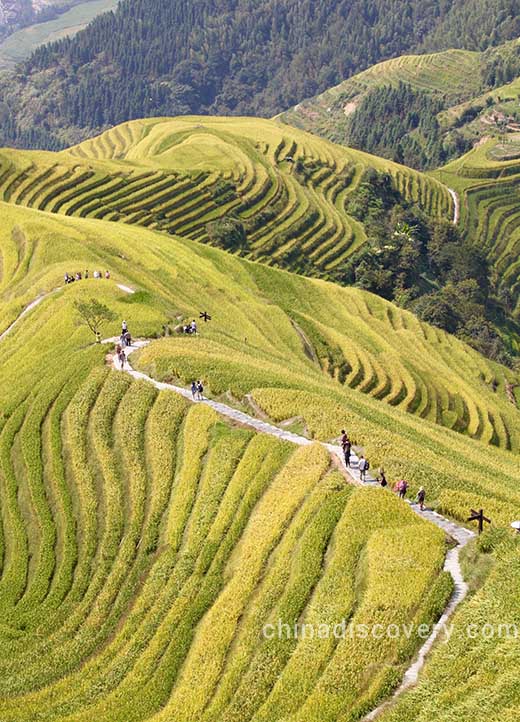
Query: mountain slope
{"x":419,"y":109}
{"x":156,"y":57}
{"x":21,"y":42}
{"x":145,"y":543}
{"x":252,"y":186}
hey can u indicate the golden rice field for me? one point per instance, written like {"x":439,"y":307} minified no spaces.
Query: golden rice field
{"x":145,"y":542}
{"x":178,"y":175}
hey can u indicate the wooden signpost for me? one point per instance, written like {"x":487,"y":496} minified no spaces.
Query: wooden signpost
{"x":479,"y":516}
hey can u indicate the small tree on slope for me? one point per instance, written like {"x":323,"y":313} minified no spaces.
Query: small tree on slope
{"x":94,"y":314}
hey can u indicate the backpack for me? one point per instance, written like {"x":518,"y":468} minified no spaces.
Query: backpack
{"x":367,"y":465}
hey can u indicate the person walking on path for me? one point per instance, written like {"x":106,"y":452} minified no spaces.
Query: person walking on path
{"x":194,"y":390}
{"x":382,"y":478}
{"x":124,"y":328}
{"x":122,"y":359}
{"x":363,"y":467}
{"x":200,"y":390}
{"x":347,"y":448}
{"x":421,"y":496}
{"x":344,"y":439}
{"x":403,"y":488}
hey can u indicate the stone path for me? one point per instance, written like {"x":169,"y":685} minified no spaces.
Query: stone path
{"x":26,"y":310}
{"x":42,"y":297}
{"x":459,"y":534}
{"x":456,"y":205}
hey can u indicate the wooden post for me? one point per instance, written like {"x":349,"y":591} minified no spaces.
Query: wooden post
{"x":479,"y":516}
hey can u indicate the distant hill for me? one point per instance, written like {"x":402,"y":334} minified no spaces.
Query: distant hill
{"x":158,"y":57}
{"x":25,"y":26}
{"x":420,"y":110}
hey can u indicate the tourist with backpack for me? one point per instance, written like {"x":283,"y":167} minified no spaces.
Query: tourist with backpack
{"x":200,"y":390}
{"x":363,"y":467}
{"x":194,"y":390}
{"x":403,"y":488}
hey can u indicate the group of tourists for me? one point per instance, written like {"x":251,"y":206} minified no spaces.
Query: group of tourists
{"x":125,"y":339}
{"x":190,"y":327}
{"x":78,"y":276}
{"x":401,"y":486}
{"x":197,"y":390}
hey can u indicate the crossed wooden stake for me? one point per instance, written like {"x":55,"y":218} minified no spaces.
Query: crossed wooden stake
{"x":479,"y":516}
{"x":205,"y":315}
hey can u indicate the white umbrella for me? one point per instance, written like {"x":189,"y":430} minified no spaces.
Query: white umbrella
{"x":516,"y":525}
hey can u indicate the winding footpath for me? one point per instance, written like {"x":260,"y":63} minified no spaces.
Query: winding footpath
{"x":459,"y":534}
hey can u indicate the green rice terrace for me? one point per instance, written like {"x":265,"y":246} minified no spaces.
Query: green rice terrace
{"x":146,"y":541}
{"x":488,"y":188}
{"x":287,"y":188}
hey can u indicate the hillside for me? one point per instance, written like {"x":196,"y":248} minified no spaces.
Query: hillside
{"x":421,"y":110}
{"x":488,"y":186}
{"x":157,"y":57}
{"x":251,"y":186}
{"x":145,"y":541}
{"x":20,"y":39}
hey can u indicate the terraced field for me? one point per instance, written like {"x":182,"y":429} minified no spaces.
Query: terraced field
{"x":489,"y":210}
{"x":180,"y":175}
{"x":454,"y":74}
{"x":145,"y":543}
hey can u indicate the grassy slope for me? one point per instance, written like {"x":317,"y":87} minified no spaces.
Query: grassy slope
{"x":100,"y":618}
{"x":22,"y":43}
{"x":201,"y":169}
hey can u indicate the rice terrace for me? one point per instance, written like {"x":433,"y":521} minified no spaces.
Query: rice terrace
{"x":222,"y":552}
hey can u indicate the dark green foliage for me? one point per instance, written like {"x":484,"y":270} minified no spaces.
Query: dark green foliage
{"x":171,"y":57}
{"x":401,"y":123}
{"x":228,"y":233}
{"x":424,"y":265}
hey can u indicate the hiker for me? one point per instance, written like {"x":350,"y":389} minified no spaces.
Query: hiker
{"x":346,"y":452}
{"x":363,"y":467}
{"x":96,"y":274}
{"x":200,"y":390}
{"x":124,"y":327}
{"x":86,"y":275}
{"x":66,"y":278}
{"x":122,"y":359}
{"x":382,"y":478}
{"x":344,"y":439}
{"x":403,"y":488}
{"x":107,"y":274}
{"x":194,"y":390}
{"x":128,"y":339}
{"x":193,"y":327}
{"x":421,"y":496}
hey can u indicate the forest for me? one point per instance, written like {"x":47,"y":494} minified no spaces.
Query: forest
{"x":157,"y":57}
{"x":425,"y":265}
